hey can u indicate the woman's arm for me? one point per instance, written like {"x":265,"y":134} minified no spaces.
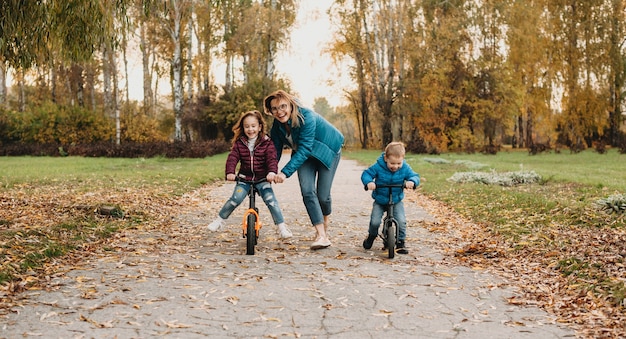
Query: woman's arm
{"x":304,"y":143}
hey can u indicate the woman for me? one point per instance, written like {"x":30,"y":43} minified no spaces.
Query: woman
{"x":316,"y":150}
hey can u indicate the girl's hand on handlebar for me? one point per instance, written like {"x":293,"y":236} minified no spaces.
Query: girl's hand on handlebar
{"x":231,"y":177}
{"x":270,"y":177}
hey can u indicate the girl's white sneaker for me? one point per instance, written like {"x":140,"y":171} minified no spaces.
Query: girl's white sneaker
{"x":216,"y":225}
{"x":284,"y":232}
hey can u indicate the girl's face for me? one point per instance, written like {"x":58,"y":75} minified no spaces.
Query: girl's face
{"x":251,"y":127}
{"x":281,"y":110}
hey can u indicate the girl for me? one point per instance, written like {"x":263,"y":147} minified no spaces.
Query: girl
{"x":255,"y":152}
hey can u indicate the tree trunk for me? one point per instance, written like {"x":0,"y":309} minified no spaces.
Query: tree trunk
{"x":177,"y":69}
{"x":22,"y":89}
{"x":3,"y":84}
{"x":529,"y":128}
{"x":125,"y":59}
{"x":190,"y":60}
{"x":91,"y":78}
{"x":106,"y":81}
{"x":148,"y":106}
{"x":77,"y":84}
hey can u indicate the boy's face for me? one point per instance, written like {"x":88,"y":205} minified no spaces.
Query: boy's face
{"x":394,"y":162}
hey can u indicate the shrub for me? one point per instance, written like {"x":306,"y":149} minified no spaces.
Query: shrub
{"x":494,"y":178}
{"x":124,"y":150}
{"x":613,"y":204}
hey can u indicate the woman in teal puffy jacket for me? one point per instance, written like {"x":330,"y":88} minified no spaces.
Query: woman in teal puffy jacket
{"x":316,"y":150}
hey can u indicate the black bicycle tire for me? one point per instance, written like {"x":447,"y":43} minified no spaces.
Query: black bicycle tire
{"x":391,"y":240}
{"x":250,"y":234}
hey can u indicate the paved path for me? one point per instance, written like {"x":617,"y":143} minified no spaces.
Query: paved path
{"x":190,"y":283}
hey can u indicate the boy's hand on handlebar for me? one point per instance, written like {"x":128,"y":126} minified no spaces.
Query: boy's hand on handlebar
{"x":231,"y":177}
{"x":409,"y":184}
{"x":371,"y":186}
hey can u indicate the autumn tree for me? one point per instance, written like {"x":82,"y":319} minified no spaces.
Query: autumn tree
{"x":350,"y":43}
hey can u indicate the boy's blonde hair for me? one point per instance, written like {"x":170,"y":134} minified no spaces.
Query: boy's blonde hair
{"x":395,"y":149}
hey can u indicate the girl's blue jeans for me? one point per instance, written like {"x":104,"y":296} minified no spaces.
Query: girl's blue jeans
{"x":315,"y":183}
{"x":241,"y":192}
{"x":377,"y":216}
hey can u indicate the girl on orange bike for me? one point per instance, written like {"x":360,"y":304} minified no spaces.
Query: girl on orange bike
{"x":255,"y":152}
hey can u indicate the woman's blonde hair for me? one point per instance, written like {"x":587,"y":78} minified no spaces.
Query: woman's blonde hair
{"x":395,"y":149}
{"x":295,"y":116}
{"x":238,"y":128}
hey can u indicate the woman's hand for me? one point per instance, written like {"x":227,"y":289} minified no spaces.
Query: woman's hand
{"x":280,"y":178}
{"x":230,"y":177}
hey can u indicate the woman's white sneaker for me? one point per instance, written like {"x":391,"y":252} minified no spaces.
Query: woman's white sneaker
{"x":320,"y":243}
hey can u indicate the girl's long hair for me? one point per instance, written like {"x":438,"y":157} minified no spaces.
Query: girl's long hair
{"x":238,"y":128}
{"x":295,"y":115}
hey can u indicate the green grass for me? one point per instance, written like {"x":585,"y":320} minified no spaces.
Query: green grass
{"x":180,"y":175}
{"x":45,"y":179}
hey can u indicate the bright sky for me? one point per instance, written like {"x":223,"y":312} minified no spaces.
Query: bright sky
{"x":311,"y":73}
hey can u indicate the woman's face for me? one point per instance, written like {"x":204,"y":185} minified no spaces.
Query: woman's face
{"x":281,"y":110}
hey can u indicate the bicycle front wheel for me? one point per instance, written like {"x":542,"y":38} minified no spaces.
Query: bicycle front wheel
{"x":250,"y":234}
{"x":391,"y":240}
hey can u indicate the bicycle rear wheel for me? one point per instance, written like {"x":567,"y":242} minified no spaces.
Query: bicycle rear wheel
{"x":391,"y":239}
{"x":250,"y":234}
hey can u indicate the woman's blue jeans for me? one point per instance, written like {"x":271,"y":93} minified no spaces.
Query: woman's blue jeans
{"x":315,"y":183}
{"x":241,"y":192}
{"x":377,"y":216}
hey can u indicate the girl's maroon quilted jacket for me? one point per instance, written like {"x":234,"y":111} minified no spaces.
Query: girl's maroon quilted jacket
{"x":253,"y":165}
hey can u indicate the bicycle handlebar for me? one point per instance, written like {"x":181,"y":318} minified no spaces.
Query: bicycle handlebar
{"x":252,"y":182}
{"x":403,"y":185}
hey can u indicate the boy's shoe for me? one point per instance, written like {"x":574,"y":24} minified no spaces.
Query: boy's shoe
{"x":400,"y":247}
{"x":367,"y":243}
{"x":320,"y":243}
{"x":216,"y":225}
{"x":284,"y":232}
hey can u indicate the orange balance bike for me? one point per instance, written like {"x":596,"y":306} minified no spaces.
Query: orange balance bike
{"x":251,"y":221}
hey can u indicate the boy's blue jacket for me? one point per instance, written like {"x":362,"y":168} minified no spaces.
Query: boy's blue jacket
{"x":315,"y":138}
{"x":380,"y":174}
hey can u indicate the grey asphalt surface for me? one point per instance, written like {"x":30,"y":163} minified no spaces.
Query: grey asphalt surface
{"x":187,"y":282}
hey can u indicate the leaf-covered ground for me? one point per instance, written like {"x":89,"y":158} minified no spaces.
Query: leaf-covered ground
{"x":540,"y":272}
{"x":34,"y":221}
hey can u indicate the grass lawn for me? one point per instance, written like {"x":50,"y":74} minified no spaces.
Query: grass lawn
{"x":47,"y":204}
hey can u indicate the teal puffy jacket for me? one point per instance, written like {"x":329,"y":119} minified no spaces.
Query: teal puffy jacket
{"x":380,"y":174}
{"x":315,"y":137}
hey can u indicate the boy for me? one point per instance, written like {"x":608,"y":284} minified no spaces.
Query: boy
{"x":389,"y":169}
